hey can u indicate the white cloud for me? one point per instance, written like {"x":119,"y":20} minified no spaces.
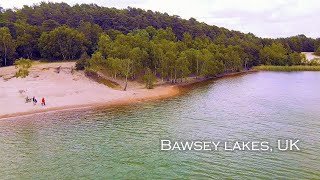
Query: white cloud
{"x":276,"y":18}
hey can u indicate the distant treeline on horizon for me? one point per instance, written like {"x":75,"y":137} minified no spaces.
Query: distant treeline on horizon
{"x":57,"y":31}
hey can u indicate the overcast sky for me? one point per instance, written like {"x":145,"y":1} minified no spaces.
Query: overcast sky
{"x":264,"y":18}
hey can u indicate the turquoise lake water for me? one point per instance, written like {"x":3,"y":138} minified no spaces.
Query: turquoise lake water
{"x":124,"y":142}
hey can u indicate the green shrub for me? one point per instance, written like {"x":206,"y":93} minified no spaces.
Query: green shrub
{"x":149,"y":78}
{"x":81,"y":63}
{"x":23,"y":66}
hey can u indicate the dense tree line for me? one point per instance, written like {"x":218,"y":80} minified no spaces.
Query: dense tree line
{"x":160,"y":52}
{"x":137,"y":40}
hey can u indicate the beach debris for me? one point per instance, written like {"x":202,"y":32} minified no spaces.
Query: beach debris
{"x":8,"y":77}
{"x":58,"y":69}
{"x":72,"y":71}
{"x":22,"y":91}
{"x":28,"y":99}
{"x":45,"y":69}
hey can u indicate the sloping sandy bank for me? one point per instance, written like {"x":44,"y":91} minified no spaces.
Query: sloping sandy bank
{"x":67,"y":89}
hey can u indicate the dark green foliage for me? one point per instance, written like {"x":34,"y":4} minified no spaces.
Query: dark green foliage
{"x":62,"y":43}
{"x":91,"y":19}
{"x":49,"y":25}
{"x":97,"y":62}
{"x":130,"y":41}
{"x":81,"y":63}
{"x":160,"y":53}
{"x":7,"y":47}
{"x":151,"y":53}
{"x":295,"y":59}
{"x":275,"y":54}
{"x":27,"y":39}
{"x":149,"y":78}
{"x":298,"y":43}
{"x":91,"y":33}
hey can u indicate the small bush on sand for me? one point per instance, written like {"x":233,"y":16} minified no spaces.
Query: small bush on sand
{"x":23,"y":66}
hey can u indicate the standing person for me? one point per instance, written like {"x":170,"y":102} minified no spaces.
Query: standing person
{"x":34,"y":100}
{"x":43,"y":102}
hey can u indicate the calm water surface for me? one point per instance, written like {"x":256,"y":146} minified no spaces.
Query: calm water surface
{"x":124,"y":142}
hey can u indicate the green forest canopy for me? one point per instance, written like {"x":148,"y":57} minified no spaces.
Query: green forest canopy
{"x":142,"y":41}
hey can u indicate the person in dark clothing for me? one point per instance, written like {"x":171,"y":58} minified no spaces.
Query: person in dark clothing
{"x":34,"y":100}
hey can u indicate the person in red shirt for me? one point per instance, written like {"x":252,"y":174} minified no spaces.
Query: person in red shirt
{"x":43,"y":102}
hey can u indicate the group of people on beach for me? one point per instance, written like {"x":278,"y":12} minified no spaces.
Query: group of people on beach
{"x":34,"y":100}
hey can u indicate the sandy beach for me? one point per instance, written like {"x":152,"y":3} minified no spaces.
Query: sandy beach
{"x":67,"y":89}
{"x":310,"y":55}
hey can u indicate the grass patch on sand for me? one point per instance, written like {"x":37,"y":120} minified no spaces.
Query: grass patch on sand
{"x":287,"y":68}
{"x":94,"y":76}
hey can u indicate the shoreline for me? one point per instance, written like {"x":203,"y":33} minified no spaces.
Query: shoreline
{"x":295,"y":68}
{"x":166,"y":92}
{"x":139,"y":96}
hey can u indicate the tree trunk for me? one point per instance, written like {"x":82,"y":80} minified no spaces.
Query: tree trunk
{"x":175,"y":75}
{"x":5,"y":60}
{"x":197,"y":69}
{"x":125,"y":87}
{"x":133,"y":73}
{"x":5,"y":54}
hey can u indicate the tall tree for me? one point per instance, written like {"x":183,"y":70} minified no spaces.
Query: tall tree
{"x":183,"y":65}
{"x":7,"y":47}
{"x":96,"y":62}
{"x":138,"y":56}
{"x":275,"y":54}
{"x":105,"y":45}
{"x":92,"y":33}
{"x":149,"y":78}
{"x":27,"y":39}
{"x":63,"y":42}
{"x":187,"y":40}
{"x":114,"y":65}
{"x":126,"y":70}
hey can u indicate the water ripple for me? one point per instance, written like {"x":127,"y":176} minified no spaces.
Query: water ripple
{"x":124,"y":142}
